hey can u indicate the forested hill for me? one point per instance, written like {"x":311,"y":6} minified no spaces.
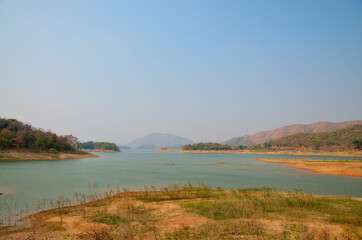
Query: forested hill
{"x":265,"y":136}
{"x":349,"y":138}
{"x":21,"y":136}
{"x":99,"y":145}
{"x":160,"y":140}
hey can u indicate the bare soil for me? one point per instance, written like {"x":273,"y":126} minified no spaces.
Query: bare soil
{"x":27,"y":155}
{"x":324,"y":167}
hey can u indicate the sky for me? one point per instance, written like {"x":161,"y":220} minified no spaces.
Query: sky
{"x":207,"y":70}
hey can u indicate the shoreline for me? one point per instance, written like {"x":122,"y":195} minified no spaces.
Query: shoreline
{"x":99,"y":150}
{"x":331,"y":167}
{"x":38,"y":156}
{"x":171,"y":211}
{"x":295,"y":153}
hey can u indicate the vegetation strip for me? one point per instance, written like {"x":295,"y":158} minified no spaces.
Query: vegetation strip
{"x":99,"y":146}
{"x":272,"y":152}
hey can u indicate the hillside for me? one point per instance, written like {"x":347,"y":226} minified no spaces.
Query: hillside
{"x":349,"y":138}
{"x":15,"y":135}
{"x":99,"y":146}
{"x":123,"y":147}
{"x":160,"y":140}
{"x":265,"y":136}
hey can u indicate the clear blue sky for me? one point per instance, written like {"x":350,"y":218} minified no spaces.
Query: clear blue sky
{"x":207,"y":70}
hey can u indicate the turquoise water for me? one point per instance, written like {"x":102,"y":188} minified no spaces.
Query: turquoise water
{"x":28,"y":186}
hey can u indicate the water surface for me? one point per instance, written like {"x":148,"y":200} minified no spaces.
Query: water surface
{"x":29,"y":184}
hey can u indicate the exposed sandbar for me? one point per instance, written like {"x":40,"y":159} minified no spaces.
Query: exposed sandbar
{"x":332,"y":167}
{"x":29,"y":156}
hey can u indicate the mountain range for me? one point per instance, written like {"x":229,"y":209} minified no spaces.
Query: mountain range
{"x":160,"y":140}
{"x":265,"y":136}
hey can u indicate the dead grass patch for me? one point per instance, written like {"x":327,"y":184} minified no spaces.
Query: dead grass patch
{"x":183,"y":211}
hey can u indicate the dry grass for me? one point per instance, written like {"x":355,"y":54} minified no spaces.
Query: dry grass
{"x":183,"y":211}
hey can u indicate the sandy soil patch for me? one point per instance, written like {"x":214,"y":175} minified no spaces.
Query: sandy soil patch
{"x":26,"y":155}
{"x":173,"y":217}
{"x":325,"y":167}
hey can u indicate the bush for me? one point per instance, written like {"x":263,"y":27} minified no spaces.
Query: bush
{"x":52,"y":150}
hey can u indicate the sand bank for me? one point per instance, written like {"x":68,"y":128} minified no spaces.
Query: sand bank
{"x":26,"y":155}
{"x":333,"y":167}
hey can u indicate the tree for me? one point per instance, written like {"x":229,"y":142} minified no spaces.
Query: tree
{"x":357,"y":144}
{"x":15,"y":134}
{"x":267,"y":145}
{"x":18,"y":141}
{"x":7,"y":134}
{"x":73,"y":141}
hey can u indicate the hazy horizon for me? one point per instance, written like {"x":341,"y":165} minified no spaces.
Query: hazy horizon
{"x":205,"y":70}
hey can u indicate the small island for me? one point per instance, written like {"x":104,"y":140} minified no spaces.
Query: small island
{"x":205,"y":147}
{"x":351,"y":168}
{"x":99,"y":147}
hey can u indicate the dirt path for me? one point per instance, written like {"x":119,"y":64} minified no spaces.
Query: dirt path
{"x":174,"y":218}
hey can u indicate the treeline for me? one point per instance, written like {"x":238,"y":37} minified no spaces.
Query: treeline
{"x":344,"y":139}
{"x":206,"y":146}
{"x":99,"y":145}
{"x":349,"y":138}
{"x":18,"y":135}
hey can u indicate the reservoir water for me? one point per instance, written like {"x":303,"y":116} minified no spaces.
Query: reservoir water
{"x":29,"y":186}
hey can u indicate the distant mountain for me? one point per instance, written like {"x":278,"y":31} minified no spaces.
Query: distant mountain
{"x":160,"y":140}
{"x":146,"y":146}
{"x":262,"y":137}
{"x":123,"y":147}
